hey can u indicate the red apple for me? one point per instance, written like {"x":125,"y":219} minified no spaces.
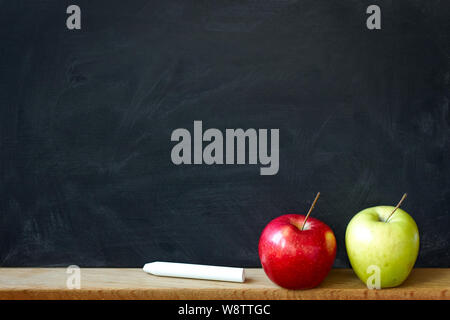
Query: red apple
{"x":294,"y":258}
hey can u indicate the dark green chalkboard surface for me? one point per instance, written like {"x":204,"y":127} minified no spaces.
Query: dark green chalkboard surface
{"x":86,"y":118}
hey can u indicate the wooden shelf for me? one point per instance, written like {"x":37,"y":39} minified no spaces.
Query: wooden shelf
{"x":115,"y":283}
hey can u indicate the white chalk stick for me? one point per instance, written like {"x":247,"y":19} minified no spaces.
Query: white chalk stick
{"x":195,"y":271}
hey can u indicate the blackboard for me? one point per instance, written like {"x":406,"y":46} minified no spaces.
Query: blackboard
{"x":86,"y":119}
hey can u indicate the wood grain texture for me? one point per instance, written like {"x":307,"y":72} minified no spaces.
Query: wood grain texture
{"x":123,"y":283}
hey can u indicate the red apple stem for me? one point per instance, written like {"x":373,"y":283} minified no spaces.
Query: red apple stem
{"x":310,"y":209}
{"x":397,"y":206}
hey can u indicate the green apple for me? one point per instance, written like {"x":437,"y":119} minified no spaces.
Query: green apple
{"x":376,"y":237}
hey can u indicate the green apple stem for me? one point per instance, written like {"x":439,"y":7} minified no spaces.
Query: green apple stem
{"x":310,"y":209}
{"x":397,"y":206}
